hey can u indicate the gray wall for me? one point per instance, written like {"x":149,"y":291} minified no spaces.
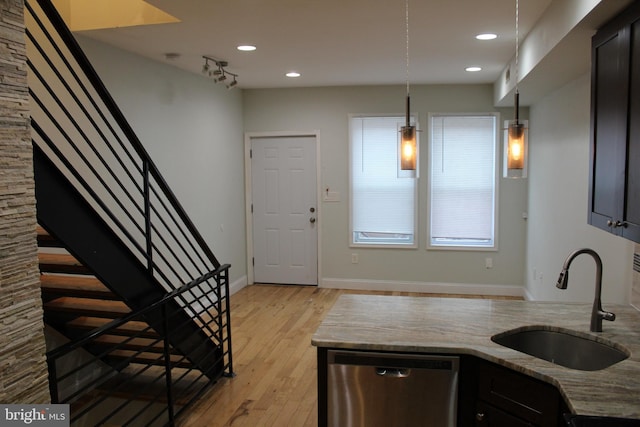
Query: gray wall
{"x":558,"y":202}
{"x":327,"y":110}
{"x":192,"y":129}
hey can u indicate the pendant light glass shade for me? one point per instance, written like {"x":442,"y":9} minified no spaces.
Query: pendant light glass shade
{"x":516,"y":134}
{"x":408,"y":148}
{"x":408,"y":152}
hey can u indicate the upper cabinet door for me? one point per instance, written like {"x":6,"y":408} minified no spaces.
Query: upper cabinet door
{"x":609,"y":122}
{"x":614,"y":186}
{"x":632,"y":200}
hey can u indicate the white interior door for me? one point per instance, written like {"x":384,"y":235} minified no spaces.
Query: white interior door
{"x":283,"y":179}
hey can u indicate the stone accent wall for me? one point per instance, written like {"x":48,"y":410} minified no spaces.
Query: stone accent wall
{"x":23,"y":368}
{"x":635,"y":289}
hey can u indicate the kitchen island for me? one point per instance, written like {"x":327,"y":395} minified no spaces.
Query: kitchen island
{"x":456,"y":326}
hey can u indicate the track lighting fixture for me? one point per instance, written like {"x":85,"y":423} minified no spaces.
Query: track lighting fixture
{"x":216,"y":69}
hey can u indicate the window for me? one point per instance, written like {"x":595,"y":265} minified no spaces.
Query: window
{"x":462,"y":181}
{"x":383,"y":206}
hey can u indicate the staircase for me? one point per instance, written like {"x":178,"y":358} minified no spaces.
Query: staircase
{"x":136,"y":305}
{"x":107,"y":359}
{"x":76,"y":302}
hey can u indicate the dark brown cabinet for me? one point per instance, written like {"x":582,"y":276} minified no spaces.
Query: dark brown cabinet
{"x":614,"y":187}
{"x":506,"y":398}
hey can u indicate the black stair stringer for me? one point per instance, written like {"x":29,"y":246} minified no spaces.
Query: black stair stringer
{"x":64,"y":213}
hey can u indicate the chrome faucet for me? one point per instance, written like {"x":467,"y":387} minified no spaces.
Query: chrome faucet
{"x":597,"y":313}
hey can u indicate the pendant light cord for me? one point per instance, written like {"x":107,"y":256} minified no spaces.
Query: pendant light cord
{"x":407,"y":39}
{"x":406,"y":19}
{"x":517,"y":40}
{"x":517,"y":66}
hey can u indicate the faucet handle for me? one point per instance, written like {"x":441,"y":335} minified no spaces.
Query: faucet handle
{"x":607,"y":315}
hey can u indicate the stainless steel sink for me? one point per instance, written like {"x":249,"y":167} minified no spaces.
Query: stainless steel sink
{"x":563,"y":347}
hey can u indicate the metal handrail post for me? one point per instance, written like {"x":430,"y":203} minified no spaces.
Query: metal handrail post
{"x":147,"y":216}
{"x":167,"y":365}
{"x":225,"y":274}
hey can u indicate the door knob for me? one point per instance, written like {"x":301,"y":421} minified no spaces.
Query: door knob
{"x":312,"y":220}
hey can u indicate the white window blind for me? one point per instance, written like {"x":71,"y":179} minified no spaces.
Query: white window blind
{"x":463,"y":180}
{"x":383,"y":207}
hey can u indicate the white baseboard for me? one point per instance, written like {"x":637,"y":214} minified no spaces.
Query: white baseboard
{"x":237,"y":284}
{"x":527,"y":295}
{"x":426,"y":287}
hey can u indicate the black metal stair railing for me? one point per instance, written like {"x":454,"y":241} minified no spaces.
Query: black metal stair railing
{"x":77,"y":126}
{"x":72,"y":107}
{"x":99,"y":385}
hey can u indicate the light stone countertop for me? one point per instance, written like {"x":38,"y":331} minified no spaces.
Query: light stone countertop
{"x":465,"y":326}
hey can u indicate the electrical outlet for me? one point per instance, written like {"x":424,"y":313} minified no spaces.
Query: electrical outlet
{"x":488,"y":262}
{"x":354,"y":258}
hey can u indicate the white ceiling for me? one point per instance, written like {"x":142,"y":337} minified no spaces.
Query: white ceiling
{"x":336,"y":42}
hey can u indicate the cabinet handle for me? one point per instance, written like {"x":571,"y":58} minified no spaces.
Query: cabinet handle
{"x":616,"y":224}
{"x":480,"y":416}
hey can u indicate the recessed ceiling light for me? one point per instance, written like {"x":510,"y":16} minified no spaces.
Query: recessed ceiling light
{"x":486,"y":36}
{"x":473,"y":69}
{"x":246,"y":48}
{"x":293,"y":74}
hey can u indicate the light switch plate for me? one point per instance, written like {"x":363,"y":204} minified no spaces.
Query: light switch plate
{"x":331,"y":196}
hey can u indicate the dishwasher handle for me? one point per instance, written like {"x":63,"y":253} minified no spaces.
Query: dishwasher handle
{"x":393,"y":372}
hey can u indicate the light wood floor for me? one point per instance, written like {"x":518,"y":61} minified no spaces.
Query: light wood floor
{"x":274,"y":361}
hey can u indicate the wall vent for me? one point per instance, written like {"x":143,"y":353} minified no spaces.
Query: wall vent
{"x":636,"y":262}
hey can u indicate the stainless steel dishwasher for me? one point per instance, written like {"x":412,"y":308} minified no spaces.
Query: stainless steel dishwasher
{"x":391,"y":389}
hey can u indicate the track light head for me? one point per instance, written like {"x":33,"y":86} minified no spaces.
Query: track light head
{"x":218,"y":73}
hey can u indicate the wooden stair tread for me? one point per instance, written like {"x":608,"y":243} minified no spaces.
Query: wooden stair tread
{"x":133,"y":328}
{"x":74,"y":285}
{"x":60,"y":263}
{"x":183,"y":390}
{"x":131,"y":384}
{"x":150,"y":358}
{"x":149,"y":345}
{"x":89,"y":306}
{"x":61,"y":259}
{"x":45,"y":239}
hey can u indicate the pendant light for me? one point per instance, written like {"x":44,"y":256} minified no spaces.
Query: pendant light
{"x":516,"y":131}
{"x":408,"y":141}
